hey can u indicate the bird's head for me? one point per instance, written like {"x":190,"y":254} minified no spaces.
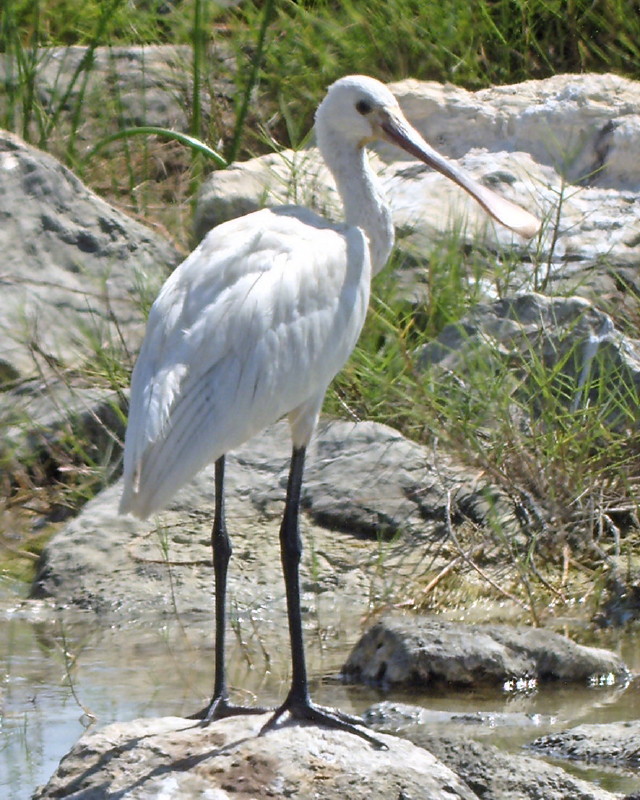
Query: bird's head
{"x":358,"y":110}
{"x":355,"y":108}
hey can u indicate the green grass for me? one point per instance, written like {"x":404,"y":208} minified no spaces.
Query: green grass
{"x":568,"y":467}
{"x":561,"y":447}
{"x":292,"y":50}
{"x":470,"y":44}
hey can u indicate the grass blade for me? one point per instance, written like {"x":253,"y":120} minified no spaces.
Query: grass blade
{"x":152,"y":130}
{"x":267,"y":15}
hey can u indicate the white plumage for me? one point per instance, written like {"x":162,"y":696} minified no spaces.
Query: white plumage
{"x":254,"y":325}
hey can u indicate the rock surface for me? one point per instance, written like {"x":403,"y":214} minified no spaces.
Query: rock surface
{"x":75,"y":274}
{"x":459,"y":741}
{"x":74,"y":267}
{"x":615,"y":743}
{"x":569,"y":335}
{"x":363,"y":480}
{"x":407,"y":719}
{"x":174,"y":759}
{"x":429,"y":652}
{"x":139,"y":85}
{"x":585,"y":124}
{"x":496,"y":775}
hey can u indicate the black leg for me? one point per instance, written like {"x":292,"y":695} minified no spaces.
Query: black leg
{"x":298,"y":703}
{"x":221,"y":546}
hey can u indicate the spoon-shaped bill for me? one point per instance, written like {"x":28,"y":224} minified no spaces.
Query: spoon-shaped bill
{"x":397,"y":130}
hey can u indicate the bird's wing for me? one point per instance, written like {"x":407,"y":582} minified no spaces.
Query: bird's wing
{"x":258,"y":319}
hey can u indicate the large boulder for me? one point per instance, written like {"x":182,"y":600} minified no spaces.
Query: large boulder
{"x":176,"y":759}
{"x":77,"y":274}
{"x":431,"y":653}
{"x":124,"y":568}
{"x":75,"y":270}
{"x":584,"y":126}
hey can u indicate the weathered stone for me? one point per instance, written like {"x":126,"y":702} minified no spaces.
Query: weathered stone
{"x":75,"y":274}
{"x":605,"y":743}
{"x":500,"y":773}
{"x":496,"y":775}
{"x":585,"y":125}
{"x":361,"y":478}
{"x":75,"y":269}
{"x":176,"y":759}
{"x":568,"y":335}
{"x":429,"y":652}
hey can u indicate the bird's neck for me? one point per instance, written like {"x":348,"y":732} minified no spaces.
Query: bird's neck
{"x":364,"y":205}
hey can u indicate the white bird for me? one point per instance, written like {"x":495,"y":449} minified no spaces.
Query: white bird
{"x":254,"y":325}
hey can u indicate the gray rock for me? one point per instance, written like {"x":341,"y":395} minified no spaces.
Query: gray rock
{"x":568,"y":335}
{"x":496,"y":775}
{"x":175,"y":759}
{"x":360,"y":479}
{"x":429,"y":652}
{"x":616,"y":743}
{"x":73,"y":267}
{"x":76,"y":275}
{"x":145,"y":85}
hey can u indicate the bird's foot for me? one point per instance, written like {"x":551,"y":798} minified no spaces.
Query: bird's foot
{"x":304,"y":710}
{"x":220,"y":707}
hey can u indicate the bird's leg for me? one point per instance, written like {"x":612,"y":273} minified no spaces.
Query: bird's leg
{"x":221,"y":546}
{"x":298,"y":703}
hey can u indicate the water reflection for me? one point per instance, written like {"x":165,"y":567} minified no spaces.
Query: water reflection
{"x":62,"y":674}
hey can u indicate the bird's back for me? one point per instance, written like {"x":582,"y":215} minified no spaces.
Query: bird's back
{"x":254,"y":323}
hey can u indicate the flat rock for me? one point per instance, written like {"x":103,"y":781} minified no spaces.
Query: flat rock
{"x":430,"y":652}
{"x":616,"y":743}
{"x":174,"y":759}
{"x":392,"y":717}
{"x":362,"y":479}
{"x":497,"y":775}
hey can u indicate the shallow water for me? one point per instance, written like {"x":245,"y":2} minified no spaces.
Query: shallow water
{"x":63,"y":674}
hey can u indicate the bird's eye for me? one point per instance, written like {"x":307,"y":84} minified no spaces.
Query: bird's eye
{"x":363,"y":107}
